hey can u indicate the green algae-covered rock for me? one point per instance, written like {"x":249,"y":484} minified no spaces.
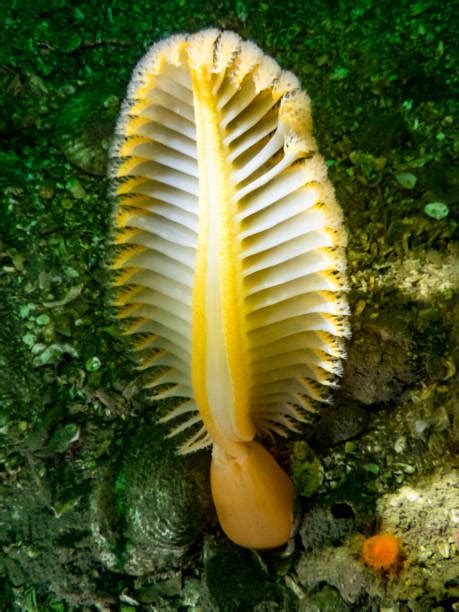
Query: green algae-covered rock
{"x":307,"y":470}
{"x":322,"y":528}
{"x":339,"y":423}
{"x":237,"y":579}
{"x":325,"y":600}
{"x":84,"y":129}
{"x":380,"y":364}
{"x":149,"y":511}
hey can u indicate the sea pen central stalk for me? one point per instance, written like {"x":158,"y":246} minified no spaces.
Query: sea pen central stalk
{"x":253,"y":496}
{"x":219,"y":354}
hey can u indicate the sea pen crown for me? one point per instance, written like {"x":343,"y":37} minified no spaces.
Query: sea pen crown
{"x":232,"y":260}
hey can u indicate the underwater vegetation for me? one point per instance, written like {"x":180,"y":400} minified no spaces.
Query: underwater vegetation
{"x":97,"y":509}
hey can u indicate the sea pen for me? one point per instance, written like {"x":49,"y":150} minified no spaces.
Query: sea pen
{"x":231,"y":261}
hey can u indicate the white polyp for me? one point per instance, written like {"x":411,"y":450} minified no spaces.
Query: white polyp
{"x":274,"y":144}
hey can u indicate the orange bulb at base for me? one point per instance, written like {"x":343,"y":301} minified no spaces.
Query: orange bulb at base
{"x":253,"y":496}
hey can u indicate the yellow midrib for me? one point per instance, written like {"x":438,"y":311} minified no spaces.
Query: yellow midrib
{"x":219,"y":351}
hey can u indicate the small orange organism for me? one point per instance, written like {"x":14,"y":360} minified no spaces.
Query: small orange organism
{"x":381,"y":551}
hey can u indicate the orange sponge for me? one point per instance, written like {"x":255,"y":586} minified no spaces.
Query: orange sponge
{"x":381,"y":551}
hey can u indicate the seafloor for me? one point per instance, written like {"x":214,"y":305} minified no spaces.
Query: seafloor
{"x":96,"y":510}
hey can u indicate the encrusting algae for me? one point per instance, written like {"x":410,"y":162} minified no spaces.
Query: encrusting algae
{"x":231,"y":261}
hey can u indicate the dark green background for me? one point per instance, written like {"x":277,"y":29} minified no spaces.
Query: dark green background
{"x":381,"y":79}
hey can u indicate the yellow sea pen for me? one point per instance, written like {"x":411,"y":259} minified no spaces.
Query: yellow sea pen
{"x":232,"y":259}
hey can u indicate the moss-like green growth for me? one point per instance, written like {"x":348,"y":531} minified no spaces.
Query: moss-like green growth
{"x":238,"y":580}
{"x":307,"y":471}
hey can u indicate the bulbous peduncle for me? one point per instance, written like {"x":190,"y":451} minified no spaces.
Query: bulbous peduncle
{"x":253,"y":496}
